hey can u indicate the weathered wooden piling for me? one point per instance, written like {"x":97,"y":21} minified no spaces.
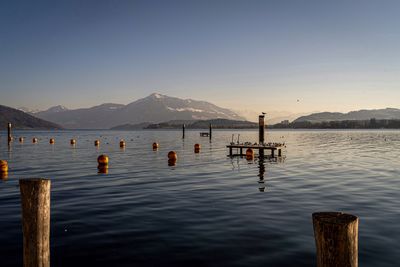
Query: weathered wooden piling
{"x":9,"y":132}
{"x":336,"y":239}
{"x":183,"y":131}
{"x":35,"y":203}
{"x":210,"y":131}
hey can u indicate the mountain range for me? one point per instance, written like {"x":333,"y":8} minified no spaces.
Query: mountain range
{"x":22,"y":120}
{"x":379,"y":114}
{"x":155,"y":108}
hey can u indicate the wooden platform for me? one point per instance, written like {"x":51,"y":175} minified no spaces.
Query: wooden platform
{"x":204,"y":134}
{"x":271,"y":146}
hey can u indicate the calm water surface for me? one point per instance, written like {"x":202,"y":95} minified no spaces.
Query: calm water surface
{"x":209,"y":209}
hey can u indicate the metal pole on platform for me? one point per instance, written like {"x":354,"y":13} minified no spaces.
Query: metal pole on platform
{"x":9,"y":132}
{"x":261,"y":125}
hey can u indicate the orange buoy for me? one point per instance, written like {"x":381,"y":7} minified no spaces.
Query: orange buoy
{"x":34,"y":140}
{"x":155,"y":146}
{"x":52,"y":141}
{"x":249,"y":154}
{"x":96,"y":142}
{"x":122,"y":144}
{"x":73,"y":142}
{"x":102,"y":160}
{"x":172,"y":155}
{"x":3,"y":166}
{"x":21,"y":139}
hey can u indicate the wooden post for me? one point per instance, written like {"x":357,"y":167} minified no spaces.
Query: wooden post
{"x":261,"y":126}
{"x":279,"y":152}
{"x":210,"y":133}
{"x":336,"y":239}
{"x":35,"y":203}
{"x":9,"y":132}
{"x":230,"y":151}
{"x":183,"y":131}
{"x":241,"y":151}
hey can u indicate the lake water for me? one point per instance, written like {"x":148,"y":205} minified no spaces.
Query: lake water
{"x":209,"y":209}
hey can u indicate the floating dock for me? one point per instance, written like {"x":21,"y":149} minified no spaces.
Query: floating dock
{"x":261,"y":147}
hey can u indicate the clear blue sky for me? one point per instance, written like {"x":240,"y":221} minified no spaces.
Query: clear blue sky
{"x":260,"y":55}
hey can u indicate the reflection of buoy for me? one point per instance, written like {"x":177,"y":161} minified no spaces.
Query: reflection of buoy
{"x":96,"y":142}
{"x":34,"y":140}
{"x":21,"y":139}
{"x":3,"y":166}
{"x":103,"y":169}
{"x":172,"y":155}
{"x":73,"y":141}
{"x":52,"y":141}
{"x":197,"y":148}
{"x":3,"y":175}
{"x":122,"y":144}
{"x":171,"y":162}
{"x":249,"y":154}
{"x":155,"y":146}
{"x":102,"y":160}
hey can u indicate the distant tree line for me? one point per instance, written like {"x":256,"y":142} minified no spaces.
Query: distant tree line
{"x":347,"y":124}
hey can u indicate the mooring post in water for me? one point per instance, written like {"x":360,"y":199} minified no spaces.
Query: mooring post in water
{"x":183,"y":131}
{"x":336,"y":239}
{"x":210,"y":132}
{"x":9,"y":132}
{"x":35,"y":203}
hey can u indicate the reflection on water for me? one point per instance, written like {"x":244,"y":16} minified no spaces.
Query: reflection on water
{"x":207,"y":210}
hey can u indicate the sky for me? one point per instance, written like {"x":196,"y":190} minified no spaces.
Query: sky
{"x":293,"y":56}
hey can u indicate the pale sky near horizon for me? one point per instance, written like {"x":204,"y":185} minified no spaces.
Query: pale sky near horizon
{"x":257,"y":55}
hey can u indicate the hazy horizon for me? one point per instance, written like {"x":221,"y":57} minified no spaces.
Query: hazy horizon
{"x":289,"y":56}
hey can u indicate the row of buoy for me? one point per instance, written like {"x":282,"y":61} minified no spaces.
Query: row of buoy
{"x":122,"y":143}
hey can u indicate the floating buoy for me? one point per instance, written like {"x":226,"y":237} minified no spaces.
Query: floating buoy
{"x":102,"y":160}
{"x":73,"y":142}
{"x":96,"y":142}
{"x":21,"y":139}
{"x":172,"y":155}
{"x":197,"y":148}
{"x":3,"y":166}
{"x":122,"y":144}
{"x":249,"y":154}
{"x":34,"y":140}
{"x":52,"y":141}
{"x":155,"y":146}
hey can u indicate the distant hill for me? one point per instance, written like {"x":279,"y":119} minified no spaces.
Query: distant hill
{"x":379,"y":114}
{"x":129,"y":127}
{"x":155,"y":108}
{"x":204,"y":124}
{"x":22,"y":120}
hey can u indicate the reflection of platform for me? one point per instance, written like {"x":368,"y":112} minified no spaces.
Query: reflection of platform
{"x":260,"y":147}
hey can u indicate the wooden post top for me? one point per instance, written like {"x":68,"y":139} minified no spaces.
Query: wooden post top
{"x":34,"y":180}
{"x":334,"y":217}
